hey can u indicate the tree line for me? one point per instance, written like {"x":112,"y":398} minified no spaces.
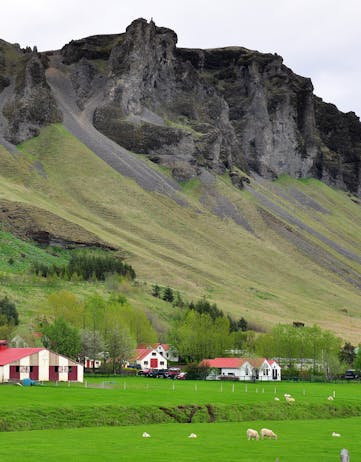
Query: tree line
{"x":86,"y":266}
{"x":109,"y":327}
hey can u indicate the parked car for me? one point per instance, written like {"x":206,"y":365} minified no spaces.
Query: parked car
{"x":351,"y":375}
{"x":162,"y":373}
{"x":173,"y":372}
{"x":144,"y":372}
{"x":212,"y":377}
{"x":153,"y":373}
{"x":181,"y":376}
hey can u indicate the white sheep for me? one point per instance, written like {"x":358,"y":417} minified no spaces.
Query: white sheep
{"x":276,"y":399}
{"x":337,"y":435}
{"x":252,"y":434}
{"x":192,"y":435}
{"x":289,"y":399}
{"x":146,"y":435}
{"x":266,"y":433}
{"x":287,"y":395}
{"x":330,"y":398}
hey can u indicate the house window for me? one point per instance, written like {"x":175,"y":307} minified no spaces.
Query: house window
{"x":31,"y":368}
{"x":154,"y":353}
{"x":265,"y":371}
{"x":56,"y":368}
{"x":70,"y":368}
{"x":231,"y":374}
{"x":145,"y":363}
{"x":17,"y":368}
{"x":247,"y":371}
{"x":161,"y":363}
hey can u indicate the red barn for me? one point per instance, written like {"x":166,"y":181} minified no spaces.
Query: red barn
{"x":36,"y":364}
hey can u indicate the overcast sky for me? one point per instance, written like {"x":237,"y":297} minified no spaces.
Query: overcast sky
{"x":320,"y":39}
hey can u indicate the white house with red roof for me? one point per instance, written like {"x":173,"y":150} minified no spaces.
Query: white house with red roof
{"x":166,"y":350}
{"x":149,"y":358}
{"x":260,"y":369}
{"x":37,"y":364}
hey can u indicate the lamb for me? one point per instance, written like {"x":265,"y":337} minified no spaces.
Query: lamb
{"x":266,"y":433}
{"x":287,"y":395}
{"x":252,"y":434}
{"x":192,"y":435}
{"x":330,"y":398}
{"x":276,"y":399}
{"x":146,"y":435}
{"x":337,"y":435}
{"x":289,"y":399}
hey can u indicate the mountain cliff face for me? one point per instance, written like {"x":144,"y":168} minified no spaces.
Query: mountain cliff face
{"x":225,"y":110}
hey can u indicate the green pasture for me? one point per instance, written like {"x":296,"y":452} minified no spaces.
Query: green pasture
{"x":297,"y":441}
{"x":140,"y":391}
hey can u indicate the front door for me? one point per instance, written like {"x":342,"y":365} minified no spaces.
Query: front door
{"x":154,"y":363}
{"x":34,"y":372}
{"x":15,"y":372}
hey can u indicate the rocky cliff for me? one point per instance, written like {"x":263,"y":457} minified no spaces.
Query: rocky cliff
{"x":224,"y":110}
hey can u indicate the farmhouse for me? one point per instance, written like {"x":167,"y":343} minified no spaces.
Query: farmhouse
{"x":36,"y":364}
{"x":149,"y":358}
{"x":260,"y":369}
{"x":166,"y":350}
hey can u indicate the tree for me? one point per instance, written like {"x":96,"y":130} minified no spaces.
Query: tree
{"x":357,"y":360}
{"x":242,"y":324}
{"x":156,"y":291}
{"x":197,"y":336}
{"x":168,"y":295}
{"x":66,"y":305}
{"x":62,"y":338}
{"x":120,"y":345}
{"x":92,"y":344}
{"x":347,"y":354}
{"x":9,"y":312}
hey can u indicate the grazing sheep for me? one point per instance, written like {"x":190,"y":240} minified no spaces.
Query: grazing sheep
{"x":146,"y":435}
{"x":276,"y":399}
{"x":192,"y":435}
{"x":289,"y":399}
{"x":252,"y":434}
{"x":330,"y":398}
{"x":287,"y":395}
{"x":337,"y":435}
{"x":266,"y":433}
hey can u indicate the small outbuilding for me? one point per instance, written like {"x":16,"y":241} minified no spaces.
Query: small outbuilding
{"x":37,"y":364}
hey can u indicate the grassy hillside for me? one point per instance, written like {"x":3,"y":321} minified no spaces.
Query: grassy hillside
{"x":291,"y":252}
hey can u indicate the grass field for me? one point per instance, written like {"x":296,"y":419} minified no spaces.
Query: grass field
{"x":140,"y":391}
{"x":298,"y":441}
{"x":134,"y":399}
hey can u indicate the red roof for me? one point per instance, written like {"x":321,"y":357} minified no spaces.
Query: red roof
{"x":141,"y":353}
{"x":9,"y":355}
{"x":231,"y":363}
{"x":234,"y":363}
{"x":143,"y":346}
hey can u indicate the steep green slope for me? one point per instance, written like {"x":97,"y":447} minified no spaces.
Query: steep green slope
{"x":292,"y":251}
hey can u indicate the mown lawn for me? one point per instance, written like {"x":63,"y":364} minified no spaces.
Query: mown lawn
{"x":298,"y":441}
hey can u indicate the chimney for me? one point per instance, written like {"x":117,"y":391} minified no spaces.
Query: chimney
{"x":3,"y":345}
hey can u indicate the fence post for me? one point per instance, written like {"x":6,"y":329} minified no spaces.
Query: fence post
{"x":344,"y":455}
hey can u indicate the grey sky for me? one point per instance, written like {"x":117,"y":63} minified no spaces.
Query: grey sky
{"x":320,"y":39}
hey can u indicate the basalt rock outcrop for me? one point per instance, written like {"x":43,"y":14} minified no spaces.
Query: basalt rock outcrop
{"x":31,"y":105}
{"x":226,"y":110}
